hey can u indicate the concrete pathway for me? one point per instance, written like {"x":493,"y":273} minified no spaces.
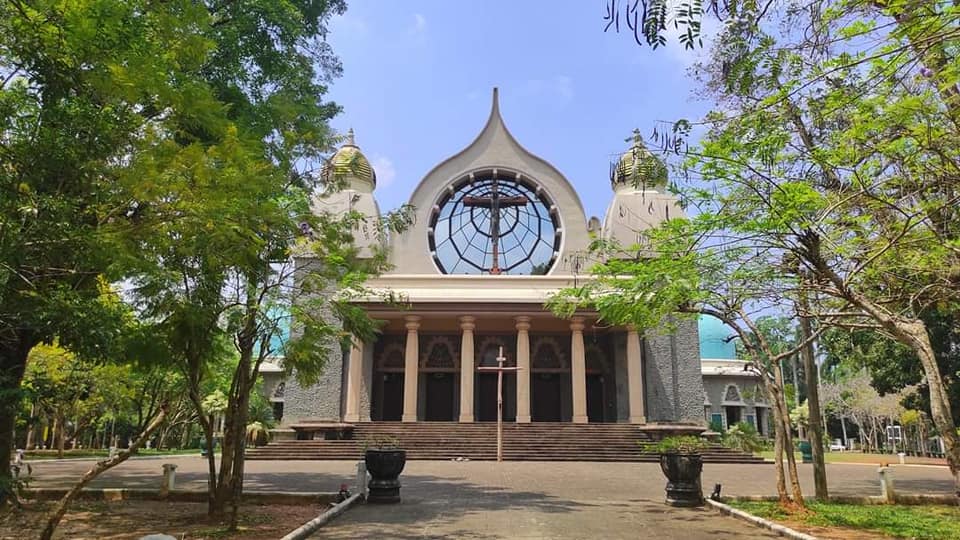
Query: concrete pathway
{"x":642,"y":480}
{"x":444,"y":499}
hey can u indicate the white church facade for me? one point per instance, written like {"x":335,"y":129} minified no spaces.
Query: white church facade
{"x":497,"y":230}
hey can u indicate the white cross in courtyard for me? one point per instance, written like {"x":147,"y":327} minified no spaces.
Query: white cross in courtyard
{"x":499,"y":369}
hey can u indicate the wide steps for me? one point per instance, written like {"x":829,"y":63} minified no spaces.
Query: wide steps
{"x":477,"y":442}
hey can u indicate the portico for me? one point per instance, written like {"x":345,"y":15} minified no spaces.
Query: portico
{"x":424,"y":366}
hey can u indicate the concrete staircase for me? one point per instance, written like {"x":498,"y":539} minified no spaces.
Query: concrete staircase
{"x":478,"y":441}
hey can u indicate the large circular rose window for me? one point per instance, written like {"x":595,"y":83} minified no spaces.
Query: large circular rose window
{"x":488,"y":224}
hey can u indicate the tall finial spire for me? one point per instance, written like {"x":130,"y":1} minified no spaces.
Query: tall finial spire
{"x":350,"y":140}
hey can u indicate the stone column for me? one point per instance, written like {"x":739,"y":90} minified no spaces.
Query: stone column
{"x":466,"y":368}
{"x":523,"y":374}
{"x":635,"y":377}
{"x":354,"y":376}
{"x":411,"y":369}
{"x":578,"y":371}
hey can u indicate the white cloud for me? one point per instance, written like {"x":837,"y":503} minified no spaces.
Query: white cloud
{"x":386,"y":173}
{"x":419,"y":24}
{"x":349,"y":24}
{"x":559,"y":87}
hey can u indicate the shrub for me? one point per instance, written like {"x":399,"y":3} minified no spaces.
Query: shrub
{"x":381,"y":442}
{"x":744,"y":437}
{"x":684,"y":444}
{"x":257,"y":434}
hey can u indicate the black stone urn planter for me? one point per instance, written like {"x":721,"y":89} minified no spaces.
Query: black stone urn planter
{"x":683,"y":478}
{"x":384,"y":467}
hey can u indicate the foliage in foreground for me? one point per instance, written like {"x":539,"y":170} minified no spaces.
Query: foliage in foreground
{"x":744,"y":437}
{"x":919,"y":522}
{"x":682,"y":444}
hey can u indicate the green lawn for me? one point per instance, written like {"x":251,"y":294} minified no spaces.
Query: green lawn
{"x":860,"y":457}
{"x":919,"y":522}
{"x":52,"y":454}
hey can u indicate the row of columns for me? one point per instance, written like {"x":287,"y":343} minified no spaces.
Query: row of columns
{"x":578,"y":372}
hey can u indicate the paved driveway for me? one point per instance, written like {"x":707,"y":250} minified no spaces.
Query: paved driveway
{"x":641,"y":480}
{"x":514,"y":499}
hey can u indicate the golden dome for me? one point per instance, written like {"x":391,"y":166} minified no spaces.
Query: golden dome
{"x":349,"y":162}
{"x":639,"y":167}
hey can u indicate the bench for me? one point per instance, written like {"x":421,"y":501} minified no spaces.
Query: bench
{"x":332,"y":431}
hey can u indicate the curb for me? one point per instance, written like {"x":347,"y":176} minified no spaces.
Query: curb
{"x":760,"y":522}
{"x":311,"y":526}
{"x":178,"y":495}
{"x":34,"y":461}
{"x":907,"y":499}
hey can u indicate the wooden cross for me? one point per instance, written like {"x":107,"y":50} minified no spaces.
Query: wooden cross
{"x":499,"y":369}
{"x":495,"y":202}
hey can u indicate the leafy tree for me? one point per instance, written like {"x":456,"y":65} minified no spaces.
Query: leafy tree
{"x":222,"y":271}
{"x":82,"y":86}
{"x":893,"y":366}
{"x":834,"y":146}
{"x":694,"y":266}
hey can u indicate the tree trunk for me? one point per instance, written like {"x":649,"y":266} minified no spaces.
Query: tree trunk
{"x":230,"y":485}
{"x":60,"y":434}
{"x":185,"y":439}
{"x":778,"y":436}
{"x":31,"y":427}
{"x":813,"y":403}
{"x":243,"y":408}
{"x":13,"y":362}
{"x":206,"y":423}
{"x":916,"y":336}
{"x":778,"y":455}
{"x":784,"y":418}
{"x":797,"y":397}
{"x":55,"y":515}
{"x":843,"y":428}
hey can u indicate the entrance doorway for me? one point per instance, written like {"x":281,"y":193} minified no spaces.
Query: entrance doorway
{"x":733,"y":415}
{"x":595,"y":404}
{"x":391,"y":406}
{"x":440,"y":396}
{"x":545,"y":398}
{"x":485,"y":409}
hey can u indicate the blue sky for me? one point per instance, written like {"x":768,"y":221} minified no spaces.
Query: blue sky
{"x":418,"y":75}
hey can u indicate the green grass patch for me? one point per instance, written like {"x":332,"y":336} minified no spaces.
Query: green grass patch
{"x":851,"y":457}
{"x":919,"y":522}
{"x":52,"y":454}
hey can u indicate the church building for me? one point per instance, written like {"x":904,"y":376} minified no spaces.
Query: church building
{"x":498,"y":230}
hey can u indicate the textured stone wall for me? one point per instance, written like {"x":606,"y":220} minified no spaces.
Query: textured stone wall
{"x":686,"y":343}
{"x":751,"y":396}
{"x":325,"y":400}
{"x":619,"y":344}
{"x":270,"y":383}
{"x":322,"y":401}
{"x":672,"y":377}
{"x":366,"y":383}
{"x":716,"y":387}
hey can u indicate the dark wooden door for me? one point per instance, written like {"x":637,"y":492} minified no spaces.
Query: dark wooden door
{"x":733,"y":416}
{"x":595,"y":398}
{"x":545,"y":399}
{"x":486,"y":399}
{"x":439,"y":397}
{"x":392,"y":407}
